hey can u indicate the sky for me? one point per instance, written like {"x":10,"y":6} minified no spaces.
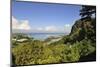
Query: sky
{"x":43,"y":17}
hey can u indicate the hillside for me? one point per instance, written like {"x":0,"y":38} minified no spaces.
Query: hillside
{"x":82,"y":30}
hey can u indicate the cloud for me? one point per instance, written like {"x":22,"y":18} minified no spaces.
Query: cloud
{"x":64,"y":29}
{"x":20,"y":25}
{"x":51,"y":29}
{"x":47,"y":29}
{"x":68,"y":27}
{"x":23,"y":26}
{"x":39,"y":29}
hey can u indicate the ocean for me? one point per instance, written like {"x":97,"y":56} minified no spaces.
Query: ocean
{"x":42,"y":36}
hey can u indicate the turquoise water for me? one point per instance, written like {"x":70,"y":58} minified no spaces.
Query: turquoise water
{"x":42,"y":36}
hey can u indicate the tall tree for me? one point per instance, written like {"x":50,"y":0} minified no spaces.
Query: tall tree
{"x":87,"y":12}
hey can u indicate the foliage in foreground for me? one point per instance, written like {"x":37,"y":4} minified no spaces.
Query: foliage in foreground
{"x":38,"y":52}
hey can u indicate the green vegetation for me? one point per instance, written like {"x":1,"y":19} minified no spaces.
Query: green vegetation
{"x":79,"y":44}
{"x":38,"y":52}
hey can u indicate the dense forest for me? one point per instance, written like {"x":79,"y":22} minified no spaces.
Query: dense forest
{"x":78,"y":46}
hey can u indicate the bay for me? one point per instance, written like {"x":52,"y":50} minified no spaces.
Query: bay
{"x":42,"y":36}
